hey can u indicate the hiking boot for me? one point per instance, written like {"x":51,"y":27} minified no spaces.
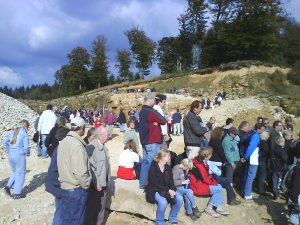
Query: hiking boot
{"x":212,"y":212}
{"x":222,"y":212}
{"x":234,"y":202}
{"x":16,"y":196}
{"x":7,"y":191}
{"x":193,"y":216}
{"x":196,"y":212}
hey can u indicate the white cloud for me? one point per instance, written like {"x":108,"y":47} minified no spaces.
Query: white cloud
{"x":9,"y":77}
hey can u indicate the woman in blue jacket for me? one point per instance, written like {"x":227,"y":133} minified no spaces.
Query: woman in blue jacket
{"x":17,"y":145}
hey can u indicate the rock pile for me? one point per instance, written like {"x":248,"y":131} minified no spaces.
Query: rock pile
{"x":11,"y":112}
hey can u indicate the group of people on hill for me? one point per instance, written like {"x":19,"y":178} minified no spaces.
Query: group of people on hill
{"x":214,"y":160}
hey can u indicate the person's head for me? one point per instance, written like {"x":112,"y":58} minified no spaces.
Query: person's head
{"x":264,"y":135}
{"x":61,"y":121}
{"x":212,"y":119}
{"x":259,"y":119}
{"x":277,"y":125}
{"x":266,"y":121}
{"x":49,"y":107}
{"x":22,"y":124}
{"x":130,"y":145}
{"x":163,"y":156}
{"x":288,"y":120}
{"x":205,"y":153}
{"x":229,"y":122}
{"x":121,"y":110}
{"x":130,"y":124}
{"x":177,"y":110}
{"x":78,"y":125}
{"x":280,"y":141}
{"x":61,"y":133}
{"x":196,"y":107}
{"x":232,"y":132}
{"x":259,"y":127}
{"x":149,"y":99}
{"x":101,"y":134}
{"x":160,"y":100}
{"x":186,"y":164}
{"x":217,"y":133}
{"x":244,"y":126}
{"x":90,"y":135}
{"x":110,"y":109}
{"x":288,"y":135}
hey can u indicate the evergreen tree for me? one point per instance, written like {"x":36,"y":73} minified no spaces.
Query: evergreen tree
{"x":167,"y":54}
{"x":124,"y":64}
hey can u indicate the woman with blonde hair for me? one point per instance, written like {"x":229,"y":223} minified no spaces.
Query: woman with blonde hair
{"x":161,"y":189}
{"x":181,"y":181}
{"x":17,"y":145}
{"x":128,"y":160}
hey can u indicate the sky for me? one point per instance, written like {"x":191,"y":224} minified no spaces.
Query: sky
{"x":37,"y":35}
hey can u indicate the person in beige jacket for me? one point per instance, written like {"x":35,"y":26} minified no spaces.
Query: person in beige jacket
{"x":74,"y":175}
{"x":100,"y":170}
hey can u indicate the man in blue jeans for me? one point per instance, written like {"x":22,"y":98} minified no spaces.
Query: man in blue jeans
{"x":150,"y":135}
{"x":74,"y":175}
{"x":250,"y":158}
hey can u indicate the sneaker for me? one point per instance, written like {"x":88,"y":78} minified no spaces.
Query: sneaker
{"x":212,"y":212}
{"x":7,"y":191}
{"x":16,"y":196}
{"x":234,"y":202}
{"x":193,"y":216}
{"x":196,"y":212}
{"x":222,"y":212}
{"x":251,"y":197}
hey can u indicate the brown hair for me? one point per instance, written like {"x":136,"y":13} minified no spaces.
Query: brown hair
{"x":161,"y":154}
{"x":130,"y":145}
{"x":22,"y":124}
{"x":217,"y":133}
{"x":205,"y":152}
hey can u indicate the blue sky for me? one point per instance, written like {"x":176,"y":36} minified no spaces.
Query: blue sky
{"x":36,"y":35}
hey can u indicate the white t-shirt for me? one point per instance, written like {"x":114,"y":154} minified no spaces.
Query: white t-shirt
{"x":128,"y":158}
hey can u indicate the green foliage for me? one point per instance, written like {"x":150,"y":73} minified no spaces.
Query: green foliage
{"x":167,"y":53}
{"x":294,"y":74}
{"x":124,"y":65}
{"x":111,"y":79}
{"x":142,"y":48}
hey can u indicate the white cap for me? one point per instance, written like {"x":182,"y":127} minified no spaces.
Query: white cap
{"x":77,"y":122}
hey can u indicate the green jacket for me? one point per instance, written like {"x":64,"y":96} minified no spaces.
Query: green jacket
{"x":231,"y":149}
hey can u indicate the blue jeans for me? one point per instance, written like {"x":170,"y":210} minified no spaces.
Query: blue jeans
{"x":203,"y":143}
{"x":122,"y":127}
{"x":57,"y":218}
{"x":262,"y":174}
{"x":73,"y":206}
{"x":275,"y":183}
{"x":149,"y":152}
{"x":217,"y":197}
{"x":17,"y":162}
{"x":44,"y":149}
{"x":229,"y":173}
{"x":189,"y":200}
{"x":295,"y":213}
{"x":162,"y":204}
{"x":250,"y":173}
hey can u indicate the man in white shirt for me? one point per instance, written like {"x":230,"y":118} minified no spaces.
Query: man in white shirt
{"x":46,"y":123}
{"x":159,"y":107}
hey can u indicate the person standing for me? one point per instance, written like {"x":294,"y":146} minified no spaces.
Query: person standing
{"x":109,"y":120}
{"x":17,"y":145}
{"x":74,"y":173}
{"x":177,"y":121}
{"x":150,"y":135}
{"x":122,"y":120}
{"x":100,"y":171}
{"x":250,"y":158}
{"x":193,"y":131}
{"x":46,"y":123}
{"x":275,"y":133}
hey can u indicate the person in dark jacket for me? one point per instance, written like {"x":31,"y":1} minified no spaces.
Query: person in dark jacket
{"x":51,"y":142}
{"x":264,"y":154}
{"x":177,"y":122}
{"x":161,"y":189}
{"x":122,"y":120}
{"x":279,"y":159}
{"x":288,"y":146}
{"x":193,"y":131}
{"x":150,"y":135}
{"x":294,"y":200}
{"x":218,"y":154}
{"x":52,"y":183}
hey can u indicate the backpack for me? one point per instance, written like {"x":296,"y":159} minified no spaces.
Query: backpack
{"x":286,"y":182}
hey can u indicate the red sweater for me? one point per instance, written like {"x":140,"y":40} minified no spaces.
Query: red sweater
{"x":200,"y":178}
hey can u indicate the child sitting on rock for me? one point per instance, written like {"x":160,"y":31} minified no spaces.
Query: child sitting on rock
{"x":129,"y":162}
{"x":181,"y":183}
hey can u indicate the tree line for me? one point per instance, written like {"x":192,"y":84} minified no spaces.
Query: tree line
{"x":211,"y":32}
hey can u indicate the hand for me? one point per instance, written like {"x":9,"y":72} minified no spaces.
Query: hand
{"x":243,"y":160}
{"x":172,"y":193}
{"x":155,"y":123}
{"x":99,"y":188}
{"x":233,"y":166}
{"x":166,"y":138}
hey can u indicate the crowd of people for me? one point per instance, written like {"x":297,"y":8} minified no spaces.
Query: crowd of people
{"x":215,"y":160}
